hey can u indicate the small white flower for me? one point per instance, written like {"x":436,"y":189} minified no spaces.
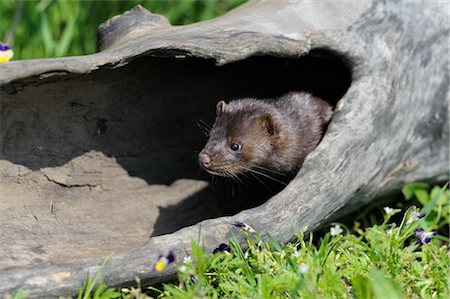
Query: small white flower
{"x":390,"y":230}
{"x":295,"y":254}
{"x":388,"y":210}
{"x":303,"y":268}
{"x":187,"y":260}
{"x":244,"y":226}
{"x":336,"y":230}
{"x":182,"y":268}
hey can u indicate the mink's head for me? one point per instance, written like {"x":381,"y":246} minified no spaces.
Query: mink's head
{"x":242,"y":139}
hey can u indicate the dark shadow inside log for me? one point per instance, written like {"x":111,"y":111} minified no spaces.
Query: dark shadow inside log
{"x":147,"y":115}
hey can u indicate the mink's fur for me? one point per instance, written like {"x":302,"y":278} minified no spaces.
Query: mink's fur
{"x":271,"y":136}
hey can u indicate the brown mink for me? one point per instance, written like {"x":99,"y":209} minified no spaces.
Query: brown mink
{"x":271,"y":136}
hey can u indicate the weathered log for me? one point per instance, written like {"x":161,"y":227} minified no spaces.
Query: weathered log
{"x":97,"y":152}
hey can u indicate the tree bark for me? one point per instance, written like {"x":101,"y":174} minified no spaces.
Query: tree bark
{"x":97,"y":152}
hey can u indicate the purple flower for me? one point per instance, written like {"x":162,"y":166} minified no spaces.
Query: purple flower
{"x":244,"y":226}
{"x":223,"y":248}
{"x":414,"y":216}
{"x":6,"y":53}
{"x":163,"y":261}
{"x":420,"y":216}
{"x":4,"y":47}
{"x":422,"y":236}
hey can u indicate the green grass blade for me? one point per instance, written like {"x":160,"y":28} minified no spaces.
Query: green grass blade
{"x":67,"y":36}
{"x":46,"y":35}
{"x":384,"y":287}
{"x":361,"y":287}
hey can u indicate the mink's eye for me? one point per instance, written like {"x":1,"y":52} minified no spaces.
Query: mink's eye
{"x":235,"y":146}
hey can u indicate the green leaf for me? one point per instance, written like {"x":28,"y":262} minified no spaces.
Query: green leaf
{"x":98,"y":292}
{"x":361,"y":287}
{"x":85,"y":291}
{"x":20,"y":295}
{"x":67,"y":35}
{"x":42,"y":5}
{"x":385,"y":288}
{"x":409,"y":189}
{"x":422,"y":196}
{"x":274,"y":244}
{"x":46,"y":35}
{"x":429,"y":206}
{"x":110,"y":294}
{"x":200,"y":256}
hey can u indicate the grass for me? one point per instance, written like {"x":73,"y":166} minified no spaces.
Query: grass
{"x":382,"y":260}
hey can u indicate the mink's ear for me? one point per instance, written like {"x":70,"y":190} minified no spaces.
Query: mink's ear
{"x":268,"y":124}
{"x":221,"y":107}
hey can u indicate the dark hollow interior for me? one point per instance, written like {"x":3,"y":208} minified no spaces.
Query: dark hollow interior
{"x":148,"y":116}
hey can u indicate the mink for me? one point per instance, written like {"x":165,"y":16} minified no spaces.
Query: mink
{"x":264,"y":136}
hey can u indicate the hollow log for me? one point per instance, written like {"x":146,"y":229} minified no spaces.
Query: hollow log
{"x":98,"y":152}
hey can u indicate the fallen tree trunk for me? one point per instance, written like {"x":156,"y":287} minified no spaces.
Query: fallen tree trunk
{"x":97,"y":152}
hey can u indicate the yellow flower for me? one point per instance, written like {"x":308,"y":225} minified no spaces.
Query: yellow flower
{"x":6,"y":53}
{"x":163,"y":261}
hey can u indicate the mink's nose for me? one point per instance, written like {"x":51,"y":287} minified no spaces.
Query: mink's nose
{"x":204,"y":160}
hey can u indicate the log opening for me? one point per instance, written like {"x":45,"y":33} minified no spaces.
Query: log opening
{"x":321,"y":72}
{"x":143,"y":118}
{"x":119,"y":142}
